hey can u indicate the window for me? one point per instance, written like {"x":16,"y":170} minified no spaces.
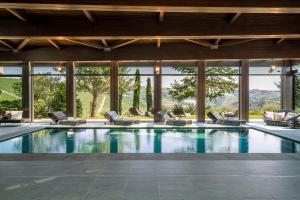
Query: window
{"x":10,"y":87}
{"x":179,"y":88}
{"x":264,"y":87}
{"x":222,"y":87}
{"x":92,"y":89}
{"x":136,"y":91}
{"x":297,"y":88}
{"x":49,"y":86}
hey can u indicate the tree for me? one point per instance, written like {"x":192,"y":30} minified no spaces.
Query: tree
{"x":216,"y":86}
{"x":95,"y":85}
{"x":137,"y":90}
{"x":125,"y":86}
{"x":149,"y":100}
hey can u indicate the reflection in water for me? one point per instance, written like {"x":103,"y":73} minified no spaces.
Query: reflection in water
{"x":148,"y":141}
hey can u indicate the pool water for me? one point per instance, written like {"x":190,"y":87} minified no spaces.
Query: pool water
{"x":148,"y":141}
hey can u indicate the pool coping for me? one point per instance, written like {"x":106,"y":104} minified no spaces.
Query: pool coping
{"x":148,"y":156}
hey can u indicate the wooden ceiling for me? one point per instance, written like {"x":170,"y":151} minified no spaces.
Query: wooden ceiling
{"x":110,"y":25}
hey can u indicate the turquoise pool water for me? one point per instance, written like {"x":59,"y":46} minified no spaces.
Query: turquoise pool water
{"x":148,"y":141}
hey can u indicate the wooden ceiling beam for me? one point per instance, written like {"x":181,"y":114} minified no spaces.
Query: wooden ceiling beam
{"x":104,"y":42}
{"x":53,"y":43}
{"x":123,"y":43}
{"x":199,"y":42}
{"x":236,"y":42}
{"x":89,"y":16}
{"x":142,"y":28}
{"x":195,"y":6}
{"x":233,"y":18}
{"x":17,"y":14}
{"x":7,"y":44}
{"x":279,"y":41}
{"x":161,"y":17}
{"x":158,"y":43}
{"x":260,"y":49}
{"x":217,"y":42}
{"x":85,"y":43}
{"x":22,"y":44}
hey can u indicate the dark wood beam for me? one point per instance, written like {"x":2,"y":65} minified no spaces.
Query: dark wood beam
{"x":199,"y":42}
{"x":260,"y":49}
{"x":71,"y":90}
{"x":244,"y":91}
{"x":123,"y":43}
{"x":196,"y":6}
{"x":233,"y":18}
{"x":236,"y":42}
{"x":89,"y":16}
{"x":22,"y":44}
{"x":201,"y":91}
{"x":278,"y":26}
{"x":157,"y":86}
{"x":7,"y":44}
{"x":53,"y":43}
{"x":17,"y":14}
{"x":85,"y":43}
{"x":4,"y":49}
{"x":279,"y":41}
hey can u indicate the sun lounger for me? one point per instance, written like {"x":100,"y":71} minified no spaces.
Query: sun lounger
{"x":278,"y":118}
{"x":62,"y":119}
{"x":12,"y":117}
{"x":115,"y":119}
{"x":218,"y":118}
{"x":165,"y":118}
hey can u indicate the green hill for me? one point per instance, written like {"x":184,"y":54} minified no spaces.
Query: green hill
{"x":6,"y":85}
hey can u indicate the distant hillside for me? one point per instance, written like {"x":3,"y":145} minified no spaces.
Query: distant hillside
{"x":6,"y":85}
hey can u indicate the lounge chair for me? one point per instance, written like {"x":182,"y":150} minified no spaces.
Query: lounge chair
{"x":12,"y":117}
{"x":165,"y":118}
{"x":62,"y":119}
{"x":294,"y":122}
{"x":280,"y":118}
{"x":218,"y":118}
{"x":115,"y":119}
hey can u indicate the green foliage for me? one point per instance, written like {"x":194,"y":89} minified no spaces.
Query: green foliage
{"x":79,"y":109}
{"x":190,"y":108}
{"x":216,"y":86}
{"x":95,"y":85}
{"x":137,"y":90}
{"x":149,"y":100}
{"x":125,"y":86}
{"x":10,"y":105}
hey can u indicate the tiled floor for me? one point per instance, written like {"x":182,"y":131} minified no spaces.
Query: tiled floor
{"x":91,"y":177}
{"x":145,"y":180}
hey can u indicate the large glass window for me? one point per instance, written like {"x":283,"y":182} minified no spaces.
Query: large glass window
{"x":264,"y":87}
{"x":92,"y":89}
{"x":297,"y":88}
{"x":179,"y":88}
{"x":10,"y":87}
{"x":49,"y":87}
{"x":222,"y":87}
{"x":136,"y":83}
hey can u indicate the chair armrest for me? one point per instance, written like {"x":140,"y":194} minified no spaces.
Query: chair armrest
{"x":294,"y":118}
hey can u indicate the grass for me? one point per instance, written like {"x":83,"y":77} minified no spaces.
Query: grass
{"x":6,"y":85}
